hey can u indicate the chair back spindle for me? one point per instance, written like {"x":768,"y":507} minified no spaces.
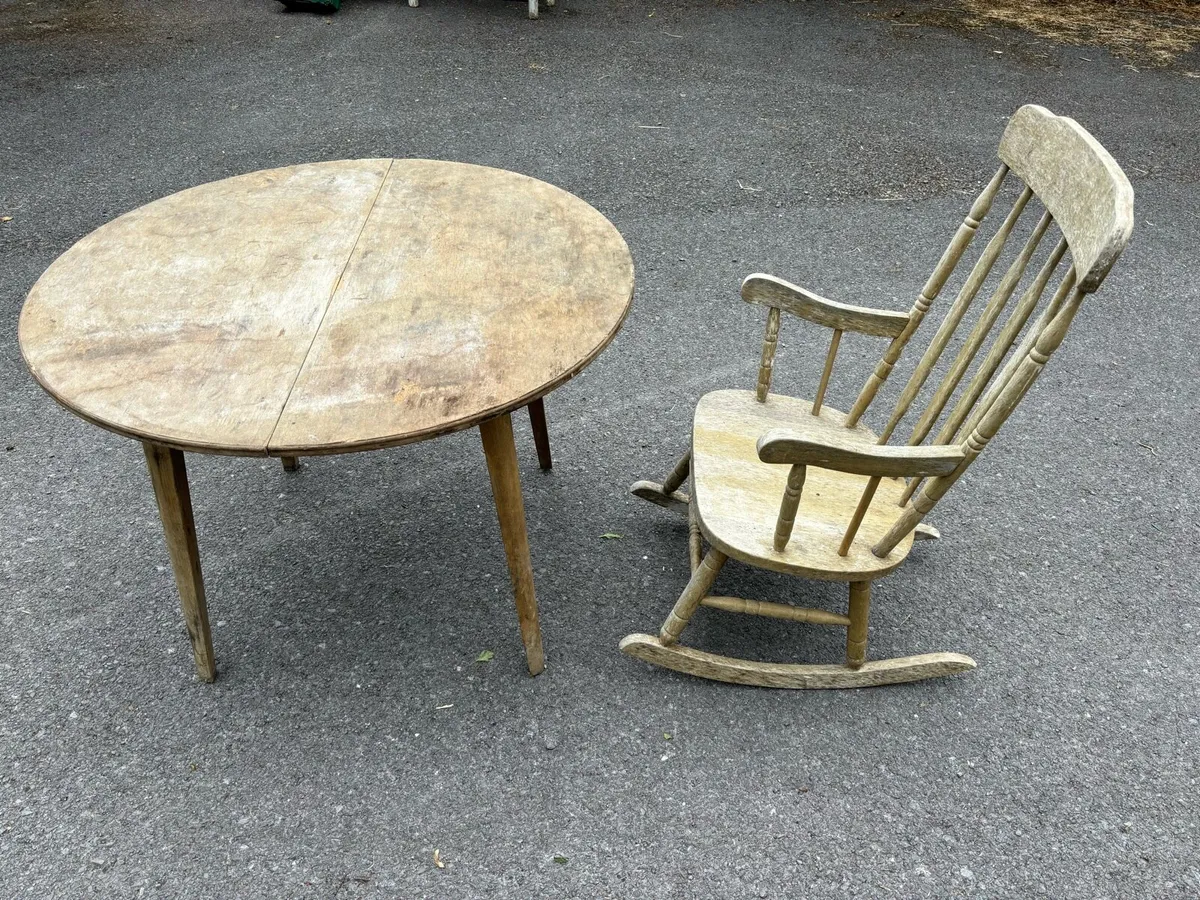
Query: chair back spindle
{"x":983,"y":267}
{"x":966,"y":353}
{"x":765,"y":367}
{"x":1016,"y":321}
{"x":1006,"y":400}
{"x":962,"y":237}
{"x":819,"y":400}
{"x":967,"y":408}
{"x":864,"y":503}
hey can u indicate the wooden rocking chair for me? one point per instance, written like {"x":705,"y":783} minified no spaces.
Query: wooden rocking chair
{"x":843,"y":487}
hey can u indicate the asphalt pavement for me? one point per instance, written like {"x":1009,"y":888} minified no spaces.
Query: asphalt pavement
{"x":352,"y":733}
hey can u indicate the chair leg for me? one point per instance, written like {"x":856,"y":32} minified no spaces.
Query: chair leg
{"x":695,"y":539}
{"x":702,"y":579}
{"x":664,"y":650}
{"x":856,"y":634}
{"x":667,"y":494}
{"x":541,"y":436}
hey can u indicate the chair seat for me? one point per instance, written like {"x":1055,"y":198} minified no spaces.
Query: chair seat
{"x":737,"y":496}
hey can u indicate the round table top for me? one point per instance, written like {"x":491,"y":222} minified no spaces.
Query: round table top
{"x":328,"y":307}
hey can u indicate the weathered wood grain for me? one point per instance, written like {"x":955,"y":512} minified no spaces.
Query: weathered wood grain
{"x":788,"y":506}
{"x":1011,"y":391}
{"x":678,"y":474}
{"x":501,"y":452}
{"x":471,"y":292}
{"x":766,"y":363}
{"x":699,"y":584}
{"x":797,"y":445}
{"x":864,"y":503}
{"x":830,"y":356}
{"x":653,"y":491}
{"x":978,"y":334}
{"x":690,"y":661}
{"x":835,"y":464}
{"x":962,"y":302}
{"x":184,"y":322}
{"x":168,"y":475}
{"x":933,"y":286}
{"x":767,"y":290}
{"x":1003,"y":343}
{"x":856,"y":634}
{"x":326,"y":308}
{"x":1078,"y":181}
{"x":737,"y":496}
{"x":541,"y":434}
{"x":329,"y":307}
{"x":775,"y":610}
{"x":695,"y":541}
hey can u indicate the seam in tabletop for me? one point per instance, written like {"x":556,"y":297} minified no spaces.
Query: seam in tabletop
{"x":332,"y":293}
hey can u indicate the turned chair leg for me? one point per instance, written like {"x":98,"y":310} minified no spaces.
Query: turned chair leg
{"x":679,"y":474}
{"x":541,"y":436}
{"x":697,"y":588}
{"x":695,"y":539}
{"x":856,"y":634}
{"x":667,"y":494}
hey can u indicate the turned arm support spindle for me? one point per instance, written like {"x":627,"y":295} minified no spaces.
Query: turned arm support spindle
{"x":787,"y":509}
{"x":876,"y":462}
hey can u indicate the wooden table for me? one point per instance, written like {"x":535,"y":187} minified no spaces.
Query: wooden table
{"x":330,"y":308}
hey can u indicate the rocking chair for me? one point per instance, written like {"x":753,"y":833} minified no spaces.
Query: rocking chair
{"x":843,"y":488}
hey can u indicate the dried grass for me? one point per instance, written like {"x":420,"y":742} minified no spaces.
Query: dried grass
{"x":1153,"y":32}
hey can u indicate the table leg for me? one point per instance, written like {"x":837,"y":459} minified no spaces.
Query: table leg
{"x":290,"y":463}
{"x":169,"y":476}
{"x":501,"y":455}
{"x":541,"y":436}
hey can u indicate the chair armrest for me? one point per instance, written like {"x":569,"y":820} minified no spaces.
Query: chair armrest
{"x":768,"y":290}
{"x":782,"y":446}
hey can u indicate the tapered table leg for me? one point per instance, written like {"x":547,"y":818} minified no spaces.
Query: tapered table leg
{"x":169,"y":476}
{"x":541,"y":436}
{"x":501,"y":454}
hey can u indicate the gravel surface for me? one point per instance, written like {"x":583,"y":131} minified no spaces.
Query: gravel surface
{"x":349,"y":602}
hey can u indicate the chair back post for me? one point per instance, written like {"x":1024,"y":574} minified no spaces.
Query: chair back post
{"x":767,"y":364}
{"x":996,"y":413}
{"x":962,"y":237}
